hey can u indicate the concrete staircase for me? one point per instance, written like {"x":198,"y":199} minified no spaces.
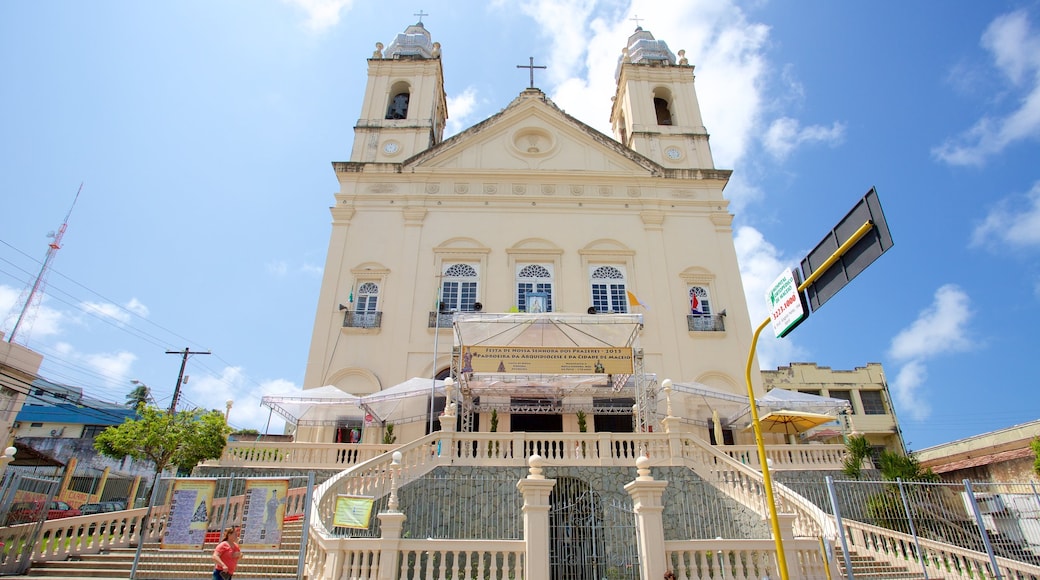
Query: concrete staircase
{"x":158,"y":564}
{"x":868,"y":568}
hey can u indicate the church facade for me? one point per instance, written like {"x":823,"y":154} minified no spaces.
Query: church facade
{"x":530,"y":218}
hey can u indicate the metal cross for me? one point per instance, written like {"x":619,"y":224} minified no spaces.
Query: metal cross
{"x":531,"y":67}
{"x":637,"y":19}
{"x":420,"y":14}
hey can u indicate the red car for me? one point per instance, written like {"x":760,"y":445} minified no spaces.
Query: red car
{"x":32,"y":511}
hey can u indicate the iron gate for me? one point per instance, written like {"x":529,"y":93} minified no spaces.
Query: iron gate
{"x":589,"y":538}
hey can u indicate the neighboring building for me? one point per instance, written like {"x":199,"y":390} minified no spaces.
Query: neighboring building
{"x":531,"y":218}
{"x":59,"y":423}
{"x":18,"y":368}
{"x":872,"y":414}
{"x":1003,"y":455}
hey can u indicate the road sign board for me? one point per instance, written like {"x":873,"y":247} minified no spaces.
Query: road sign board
{"x":786,"y":304}
{"x":856,"y":259}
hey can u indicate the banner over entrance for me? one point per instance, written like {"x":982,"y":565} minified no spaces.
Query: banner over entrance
{"x":547,"y":360}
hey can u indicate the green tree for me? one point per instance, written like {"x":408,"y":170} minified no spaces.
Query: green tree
{"x":182,"y":439}
{"x":388,"y":435}
{"x":1035,"y":444}
{"x":857,"y":448}
{"x":139,"y":396}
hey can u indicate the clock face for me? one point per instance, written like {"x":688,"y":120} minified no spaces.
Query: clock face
{"x":673,"y":153}
{"x":391,"y":147}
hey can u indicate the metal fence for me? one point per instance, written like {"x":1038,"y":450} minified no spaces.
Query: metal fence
{"x":24,"y":499}
{"x":451,"y":505}
{"x":991,"y":524}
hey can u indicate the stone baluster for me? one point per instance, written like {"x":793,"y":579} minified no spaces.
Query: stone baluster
{"x":646,"y":501}
{"x":535,"y":489}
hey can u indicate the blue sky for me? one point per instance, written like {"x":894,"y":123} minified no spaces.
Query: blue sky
{"x":203,"y":132}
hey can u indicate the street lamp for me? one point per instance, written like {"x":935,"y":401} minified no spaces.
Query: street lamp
{"x":228,"y":411}
{"x":6,"y":458}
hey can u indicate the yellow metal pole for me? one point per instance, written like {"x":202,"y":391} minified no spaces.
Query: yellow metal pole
{"x":767,"y":480}
{"x":781,"y":560}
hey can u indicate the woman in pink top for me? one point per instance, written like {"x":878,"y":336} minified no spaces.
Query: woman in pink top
{"x":226,"y":555}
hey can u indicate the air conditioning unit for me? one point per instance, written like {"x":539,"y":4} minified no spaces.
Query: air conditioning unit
{"x":989,"y":503}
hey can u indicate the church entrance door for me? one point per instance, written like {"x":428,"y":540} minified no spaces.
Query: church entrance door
{"x":536,"y":423}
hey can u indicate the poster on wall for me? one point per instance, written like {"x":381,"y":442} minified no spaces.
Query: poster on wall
{"x":190,"y":503}
{"x":353,"y":511}
{"x":263,"y":514}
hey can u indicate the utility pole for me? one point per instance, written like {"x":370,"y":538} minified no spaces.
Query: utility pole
{"x":180,"y":376}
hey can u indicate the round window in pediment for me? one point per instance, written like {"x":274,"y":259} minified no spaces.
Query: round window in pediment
{"x":533,"y":141}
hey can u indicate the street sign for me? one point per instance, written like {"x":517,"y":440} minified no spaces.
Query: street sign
{"x":856,"y":259}
{"x":786,"y":304}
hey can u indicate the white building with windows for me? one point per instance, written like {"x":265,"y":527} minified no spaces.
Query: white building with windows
{"x":529,"y":213}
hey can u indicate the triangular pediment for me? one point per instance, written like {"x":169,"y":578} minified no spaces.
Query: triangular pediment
{"x":532,"y":134}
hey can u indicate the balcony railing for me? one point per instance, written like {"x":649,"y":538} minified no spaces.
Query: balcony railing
{"x":355,"y":319}
{"x":441,"y":319}
{"x":705,"y":322}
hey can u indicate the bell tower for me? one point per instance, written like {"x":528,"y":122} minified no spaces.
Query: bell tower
{"x":655,"y":110}
{"x":405,"y":108}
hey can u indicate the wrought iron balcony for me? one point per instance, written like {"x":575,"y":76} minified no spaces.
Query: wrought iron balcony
{"x":441,"y":319}
{"x":705,"y":322}
{"x":354,"y":319}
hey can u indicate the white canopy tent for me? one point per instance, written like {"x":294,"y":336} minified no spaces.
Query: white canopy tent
{"x":328,"y":405}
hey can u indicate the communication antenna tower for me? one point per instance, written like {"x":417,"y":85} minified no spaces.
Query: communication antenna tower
{"x":30,"y":297}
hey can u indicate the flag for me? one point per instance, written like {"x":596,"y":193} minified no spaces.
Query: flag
{"x":633,"y":301}
{"x":695,"y":304}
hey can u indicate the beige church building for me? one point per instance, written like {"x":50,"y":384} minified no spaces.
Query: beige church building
{"x":531,"y":223}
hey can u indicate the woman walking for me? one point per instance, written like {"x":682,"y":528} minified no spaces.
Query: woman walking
{"x":226,"y":555}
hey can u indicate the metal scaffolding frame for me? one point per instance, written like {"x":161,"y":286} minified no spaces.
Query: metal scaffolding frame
{"x":547,"y":392}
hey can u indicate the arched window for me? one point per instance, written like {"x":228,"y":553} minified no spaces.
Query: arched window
{"x":537,"y":279}
{"x":367,"y":298}
{"x":608,"y":290}
{"x":398,"y":108}
{"x":664,"y":116}
{"x":459,"y":288}
{"x":699,"y":302}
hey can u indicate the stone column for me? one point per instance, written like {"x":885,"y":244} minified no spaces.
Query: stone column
{"x":449,"y":422}
{"x":646,"y":500}
{"x":391,"y":522}
{"x":536,"y":489}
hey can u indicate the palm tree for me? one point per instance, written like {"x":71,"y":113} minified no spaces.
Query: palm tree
{"x":141,"y":394}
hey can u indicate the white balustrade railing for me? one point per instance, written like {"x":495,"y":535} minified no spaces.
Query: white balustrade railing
{"x":943,"y":560}
{"x":745,"y":559}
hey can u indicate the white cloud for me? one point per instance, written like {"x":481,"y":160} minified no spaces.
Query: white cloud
{"x":1015,"y":50}
{"x":213,"y":392}
{"x":39,"y":321}
{"x":114,"y":367}
{"x":942,"y":328}
{"x":107,"y":310}
{"x":460,"y":108}
{"x":760,"y":264}
{"x":1012,"y":223}
{"x":321,"y":14}
{"x":278,"y":268}
{"x":939,"y":329}
{"x":121,"y":314}
{"x":906,"y":391}
{"x":137,"y":307}
{"x":785,"y":134}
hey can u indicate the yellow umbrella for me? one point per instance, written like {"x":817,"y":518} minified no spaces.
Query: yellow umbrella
{"x":790,"y":422}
